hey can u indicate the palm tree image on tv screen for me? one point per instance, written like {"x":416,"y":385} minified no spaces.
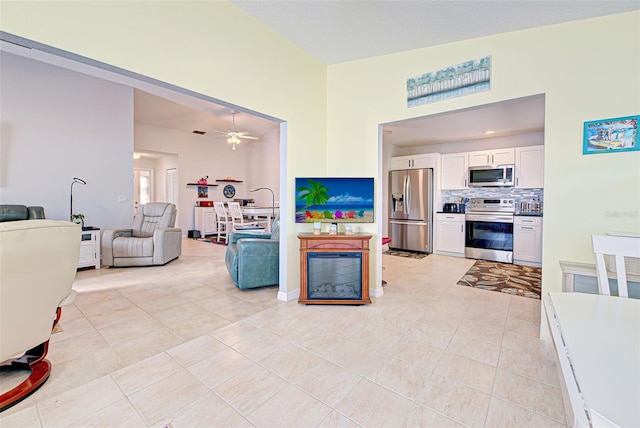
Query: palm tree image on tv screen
{"x":334,"y":200}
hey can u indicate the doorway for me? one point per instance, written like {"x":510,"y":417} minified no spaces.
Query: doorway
{"x":207,"y":105}
{"x":142,"y":187}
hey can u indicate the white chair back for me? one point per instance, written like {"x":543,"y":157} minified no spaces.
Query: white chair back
{"x":222,"y":219}
{"x":237,"y":218}
{"x":619,"y":247}
{"x":221,"y":210}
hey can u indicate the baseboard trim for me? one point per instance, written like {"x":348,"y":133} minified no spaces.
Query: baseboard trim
{"x":287,"y":297}
{"x":376,"y":292}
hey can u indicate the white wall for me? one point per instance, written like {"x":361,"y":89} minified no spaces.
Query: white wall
{"x":263,"y":168}
{"x":57,"y":125}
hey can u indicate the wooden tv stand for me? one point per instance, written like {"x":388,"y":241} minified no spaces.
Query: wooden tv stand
{"x":354,"y":249}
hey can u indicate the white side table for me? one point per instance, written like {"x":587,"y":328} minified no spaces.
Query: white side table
{"x":90,"y":248}
{"x":205,"y":221}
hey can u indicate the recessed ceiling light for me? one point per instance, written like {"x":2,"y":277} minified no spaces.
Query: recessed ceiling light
{"x":488,"y":132}
{"x":136,"y":155}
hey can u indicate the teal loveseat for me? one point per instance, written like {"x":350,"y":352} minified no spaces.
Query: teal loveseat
{"x":252,"y":259}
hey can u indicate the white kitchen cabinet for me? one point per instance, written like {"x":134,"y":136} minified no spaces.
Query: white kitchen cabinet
{"x":492,"y":157}
{"x":413,"y":162}
{"x":527,"y":240}
{"x":454,"y":171}
{"x":529,"y":165}
{"x":205,"y":220}
{"x":450,"y":230}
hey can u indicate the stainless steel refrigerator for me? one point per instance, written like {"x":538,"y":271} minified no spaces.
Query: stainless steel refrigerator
{"x":410,"y":209}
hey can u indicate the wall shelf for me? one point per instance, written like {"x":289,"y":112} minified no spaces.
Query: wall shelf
{"x":229,"y":180}
{"x":202,"y":185}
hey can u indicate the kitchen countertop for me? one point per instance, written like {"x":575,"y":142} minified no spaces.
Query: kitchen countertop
{"x":517,"y":214}
{"x":529,"y":214}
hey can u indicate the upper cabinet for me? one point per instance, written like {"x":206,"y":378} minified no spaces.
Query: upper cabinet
{"x":454,"y":171}
{"x":529,"y":165}
{"x":413,"y":162}
{"x":492,"y":157}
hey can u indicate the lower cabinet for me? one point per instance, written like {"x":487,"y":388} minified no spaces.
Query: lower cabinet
{"x":527,"y":241}
{"x":450,"y":234}
{"x":205,"y":220}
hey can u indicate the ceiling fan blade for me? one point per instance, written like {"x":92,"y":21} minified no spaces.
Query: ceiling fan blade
{"x":248,"y":137}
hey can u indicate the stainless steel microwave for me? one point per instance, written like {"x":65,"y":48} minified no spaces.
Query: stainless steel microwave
{"x":491,"y":176}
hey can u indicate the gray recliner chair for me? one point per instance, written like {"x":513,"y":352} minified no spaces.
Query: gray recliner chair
{"x":152,"y":239}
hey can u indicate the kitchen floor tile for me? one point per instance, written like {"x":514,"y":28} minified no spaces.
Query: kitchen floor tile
{"x":507,"y":415}
{"x":180,"y":346}
{"x":250,"y":389}
{"x":145,"y":373}
{"x":288,"y":408}
{"x":470,"y":372}
{"x":372,"y":405}
{"x":327,"y":382}
{"x":163,"y":398}
{"x":464,"y":404}
{"x":76,"y":404}
{"x":530,"y":394}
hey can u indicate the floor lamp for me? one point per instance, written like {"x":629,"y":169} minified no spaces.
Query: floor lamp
{"x":75,"y":180}
{"x":273,"y":200}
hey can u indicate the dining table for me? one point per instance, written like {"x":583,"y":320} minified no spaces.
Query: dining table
{"x":597,"y":339}
{"x":255,"y":212}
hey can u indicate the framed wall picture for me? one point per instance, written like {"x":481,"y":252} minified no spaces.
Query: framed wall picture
{"x":611,"y":135}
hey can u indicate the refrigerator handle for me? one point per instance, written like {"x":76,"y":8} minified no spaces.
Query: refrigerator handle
{"x":407,"y":192}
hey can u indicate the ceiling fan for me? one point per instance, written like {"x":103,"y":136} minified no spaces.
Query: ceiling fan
{"x":234,"y":137}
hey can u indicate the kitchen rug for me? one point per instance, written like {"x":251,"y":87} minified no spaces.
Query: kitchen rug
{"x":406,"y":254}
{"x":503,"y":277}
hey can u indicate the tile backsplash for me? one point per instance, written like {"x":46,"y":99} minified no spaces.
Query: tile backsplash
{"x":518,"y":195}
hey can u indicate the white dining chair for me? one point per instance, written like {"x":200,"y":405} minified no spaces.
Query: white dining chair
{"x":238,"y":222}
{"x":618,"y":247}
{"x":222,"y":220}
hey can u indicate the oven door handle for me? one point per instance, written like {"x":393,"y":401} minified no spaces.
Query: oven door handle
{"x":489,"y":218}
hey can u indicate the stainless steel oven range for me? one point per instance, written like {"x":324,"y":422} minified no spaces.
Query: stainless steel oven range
{"x":489,"y":229}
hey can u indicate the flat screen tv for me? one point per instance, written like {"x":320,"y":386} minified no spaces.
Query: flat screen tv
{"x":334,"y":200}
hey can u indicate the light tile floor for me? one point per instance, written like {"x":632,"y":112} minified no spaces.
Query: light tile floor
{"x":180,"y":346}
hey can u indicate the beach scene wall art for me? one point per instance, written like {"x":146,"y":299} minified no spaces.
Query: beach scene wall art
{"x":458,"y":80}
{"x":334,"y":200}
{"x":611,"y":135}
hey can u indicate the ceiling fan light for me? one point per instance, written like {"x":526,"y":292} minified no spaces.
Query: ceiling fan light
{"x":234,"y":141}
